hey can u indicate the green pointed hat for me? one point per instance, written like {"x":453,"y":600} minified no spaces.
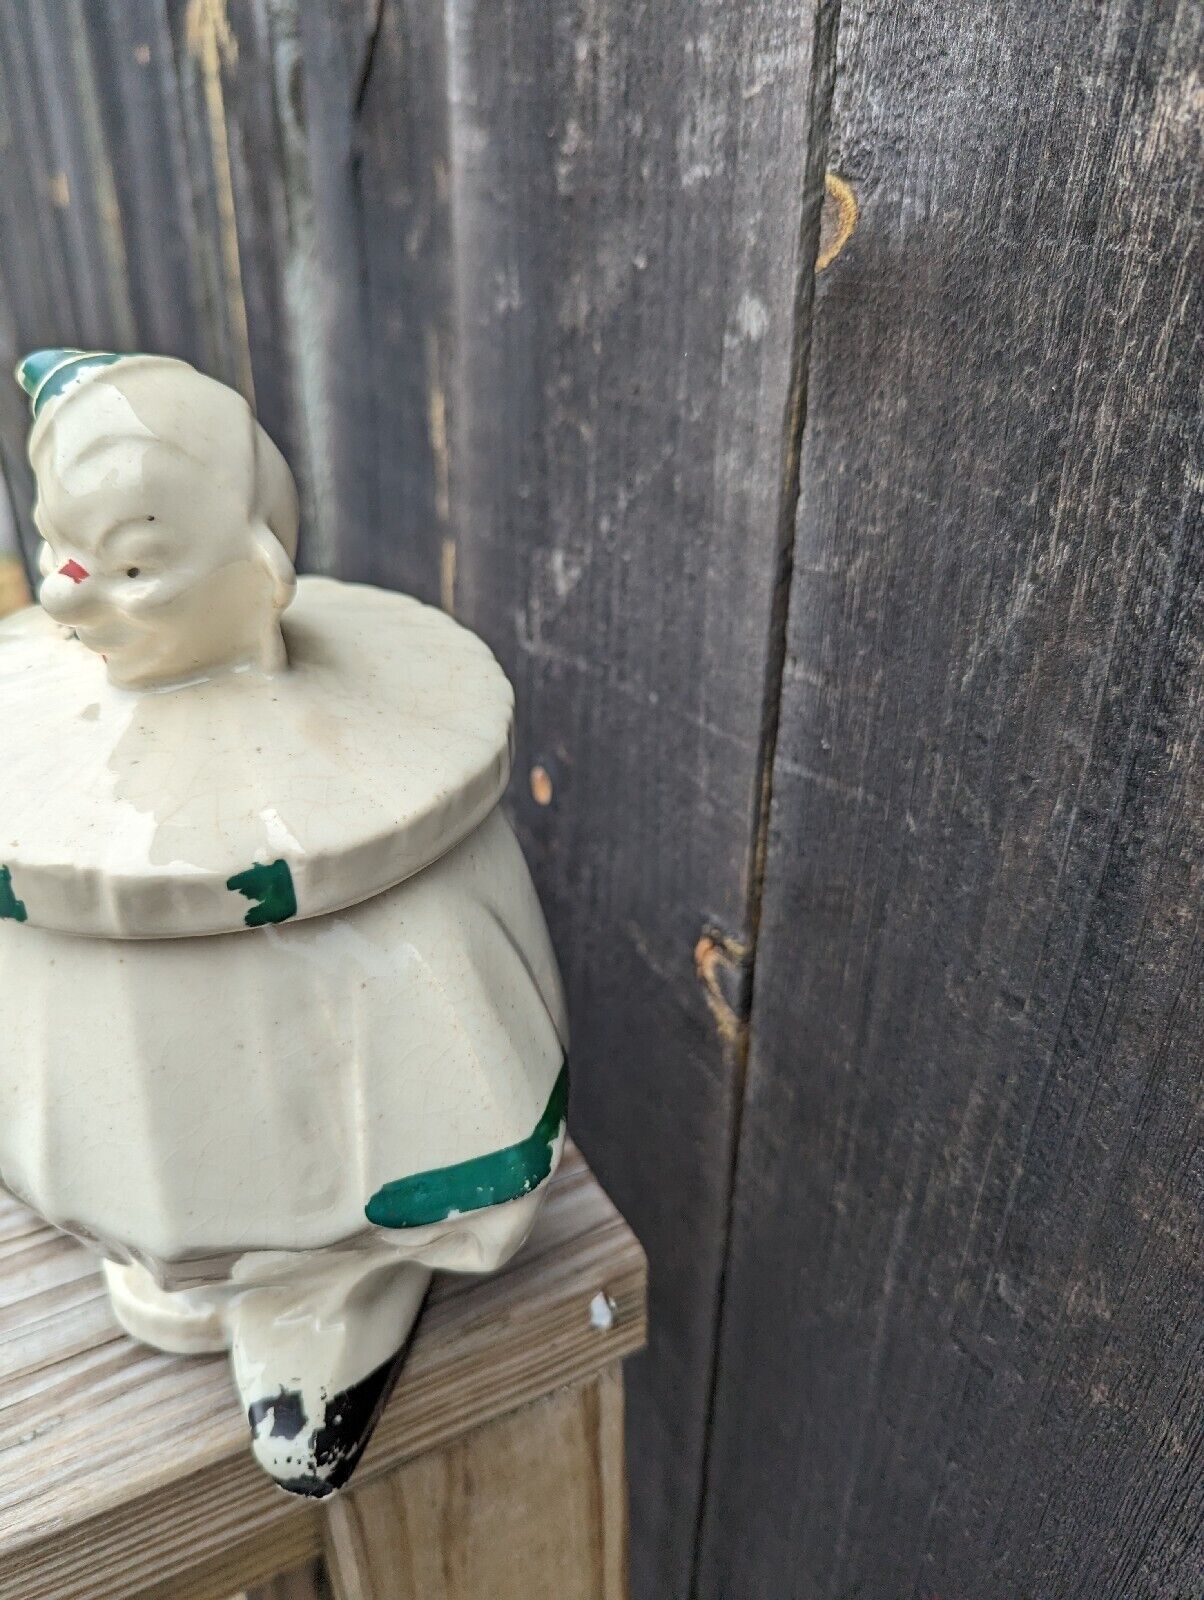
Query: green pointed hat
{"x":45,"y":373}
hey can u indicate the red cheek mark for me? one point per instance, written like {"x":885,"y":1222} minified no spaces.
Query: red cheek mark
{"x":73,"y":570}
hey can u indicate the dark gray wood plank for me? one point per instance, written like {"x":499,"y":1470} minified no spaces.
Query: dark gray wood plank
{"x":404,"y":191}
{"x":627,"y":186}
{"x":318,"y":58}
{"x":963,"y":1338}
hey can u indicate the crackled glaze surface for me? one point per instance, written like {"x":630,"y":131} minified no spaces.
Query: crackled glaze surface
{"x":181,"y":1100}
{"x":386,"y":740}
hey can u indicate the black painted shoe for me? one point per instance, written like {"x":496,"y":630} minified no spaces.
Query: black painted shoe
{"x":315,"y":1353}
{"x":323,"y":1450}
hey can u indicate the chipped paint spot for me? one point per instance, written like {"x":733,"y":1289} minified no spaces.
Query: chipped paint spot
{"x":837,"y":220}
{"x":329,"y":1446}
{"x":286,"y":1409}
{"x":566,"y":573}
{"x":602,"y":1312}
{"x":60,"y":190}
{"x":752,"y":318}
{"x":541,"y":786}
{"x":142,"y":54}
{"x":703,"y":130}
{"x":722,"y":965}
{"x":436,"y":425}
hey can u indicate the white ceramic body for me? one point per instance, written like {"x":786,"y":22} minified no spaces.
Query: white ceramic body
{"x":182,"y":1102}
{"x":283,"y":1027}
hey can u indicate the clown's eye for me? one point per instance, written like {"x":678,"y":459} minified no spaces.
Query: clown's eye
{"x":132,"y":572}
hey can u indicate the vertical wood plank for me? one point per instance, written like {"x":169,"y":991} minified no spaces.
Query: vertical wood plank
{"x":631,"y":209}
{"x":404,"y":188}
{"x":964,"y":1332}
{"x":319,"y":56}
{"x":531,"y":1507}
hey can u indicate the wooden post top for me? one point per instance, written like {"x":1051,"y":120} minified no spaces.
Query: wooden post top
{"x":123,"y":1469}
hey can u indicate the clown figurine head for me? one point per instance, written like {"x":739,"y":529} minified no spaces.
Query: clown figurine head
{"x":169,"y":517}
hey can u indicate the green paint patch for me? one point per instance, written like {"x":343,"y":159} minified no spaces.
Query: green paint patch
{"x":46,"y":373}
{"x":10,"y":906}
{"x":484,"y":1181}
{"x":270,"y":884}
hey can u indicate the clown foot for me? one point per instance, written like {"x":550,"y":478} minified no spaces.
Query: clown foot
{"x":316,"y":1339}
{"x":299,"y":1361}
{"x":315,"y":1346}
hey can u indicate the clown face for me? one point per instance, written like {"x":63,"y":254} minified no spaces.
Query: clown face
{"x":157,"y":552}
{"x":157,"y":569}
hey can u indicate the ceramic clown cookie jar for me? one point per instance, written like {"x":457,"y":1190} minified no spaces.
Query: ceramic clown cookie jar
{"x":283,"y":1028}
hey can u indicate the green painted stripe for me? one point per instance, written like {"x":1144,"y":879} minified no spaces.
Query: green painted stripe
{"x":484,"y":1181}
{"x":10,"y":906}
{"x":45,"y":373}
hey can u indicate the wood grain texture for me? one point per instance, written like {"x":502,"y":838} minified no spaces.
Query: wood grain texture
{"x":308,"y":1582}
{"x":292,"y":1547}
{"x":631,"y":192}
{"x":126,"y":1472}
{"x":403,"y":187}
{"x":963,"y":1342}
{"x":530,"y":1507}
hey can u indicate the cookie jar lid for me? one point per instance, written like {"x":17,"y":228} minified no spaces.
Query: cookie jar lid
{"x":180,"y":754}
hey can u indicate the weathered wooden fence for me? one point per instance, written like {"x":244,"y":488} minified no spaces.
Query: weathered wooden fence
{"x":856,"y":625}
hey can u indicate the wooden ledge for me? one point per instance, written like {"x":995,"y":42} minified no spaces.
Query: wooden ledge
{"x":122,"y":1470}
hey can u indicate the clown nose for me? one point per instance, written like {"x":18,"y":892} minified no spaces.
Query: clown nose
{"x":73,"y":570}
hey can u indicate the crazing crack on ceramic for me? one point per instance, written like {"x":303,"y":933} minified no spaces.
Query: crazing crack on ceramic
{"x":316,"y":1043}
